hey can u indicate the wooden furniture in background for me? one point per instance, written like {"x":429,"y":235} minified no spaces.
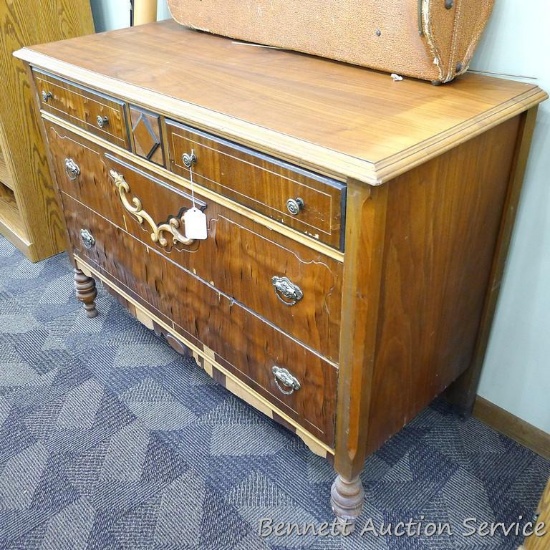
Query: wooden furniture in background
{"x":356,"y":226}
{"x":144,"y":11}
{"x":542,"y":541}
{"x":29,"y":215}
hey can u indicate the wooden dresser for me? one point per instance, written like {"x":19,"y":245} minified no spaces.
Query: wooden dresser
{"x":356,"y":227}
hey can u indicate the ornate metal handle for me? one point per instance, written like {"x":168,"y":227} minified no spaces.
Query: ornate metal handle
{"x":102,"y":121}
{"x":135,"y":208}
{"x":287,"y":292}
{"x":295,"y":206}
{"x":284,"y":378}
{"x":87,"y":238}
{"x":189,"y":159}
{"x":46,"y":96}
{"x":71,"y":169}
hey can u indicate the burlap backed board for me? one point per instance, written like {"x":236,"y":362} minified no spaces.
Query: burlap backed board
{"x":428,"y":39}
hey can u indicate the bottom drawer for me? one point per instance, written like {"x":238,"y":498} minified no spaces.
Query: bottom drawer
{"x":305,"y":386}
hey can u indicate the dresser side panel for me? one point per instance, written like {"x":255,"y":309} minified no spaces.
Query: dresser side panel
{"x":443,"y":222}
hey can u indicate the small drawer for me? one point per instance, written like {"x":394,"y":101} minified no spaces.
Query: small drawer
{"x":303,"y":200}
{"x":294,"y":379}
{"x":96,"y":113}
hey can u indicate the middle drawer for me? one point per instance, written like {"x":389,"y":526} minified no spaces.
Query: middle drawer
{"x":291,"y":285}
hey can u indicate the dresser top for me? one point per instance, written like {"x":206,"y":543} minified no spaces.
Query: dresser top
{"x":338,"y":119}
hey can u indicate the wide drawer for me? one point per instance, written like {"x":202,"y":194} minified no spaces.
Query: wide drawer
{"x":293,"y":286}
{"x":303,"y":200}
{"x":247,"y":344}
{"x":96,"y":113}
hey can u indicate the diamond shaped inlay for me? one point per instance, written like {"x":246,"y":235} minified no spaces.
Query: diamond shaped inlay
{"x":146,"y":134}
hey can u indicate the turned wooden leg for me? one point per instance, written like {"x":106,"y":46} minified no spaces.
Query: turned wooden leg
{"x":347,"y":498}
{"x":85,"y":292}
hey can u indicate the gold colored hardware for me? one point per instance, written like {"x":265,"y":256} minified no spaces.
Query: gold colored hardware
{"x":295,"y":206}
{"x":284,"y":378}
{"x":135,"y":208}
{"x":71,"y":169}
{"x":287,"y":292}
{"x":87,"y":238}
{"x":102,"y":121}
{"x":46,"y":96}
{"x":189,"y":159}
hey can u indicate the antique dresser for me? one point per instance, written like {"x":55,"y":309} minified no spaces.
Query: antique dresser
{"x":327,"y":242}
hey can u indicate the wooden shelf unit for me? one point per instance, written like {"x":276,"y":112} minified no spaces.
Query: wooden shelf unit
{"x":5,"y":176}
{"x":29,"y":214}
{"x":11,"y":221}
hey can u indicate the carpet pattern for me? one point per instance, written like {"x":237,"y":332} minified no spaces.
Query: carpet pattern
{"x":111,"y":440}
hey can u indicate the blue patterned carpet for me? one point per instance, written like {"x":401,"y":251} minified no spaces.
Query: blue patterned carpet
{"x":110,"y":440}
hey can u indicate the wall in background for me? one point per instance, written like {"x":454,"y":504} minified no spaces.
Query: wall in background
{"x":516,"y":375}
{"x":111,"y":14}
{"x":163,"y":11}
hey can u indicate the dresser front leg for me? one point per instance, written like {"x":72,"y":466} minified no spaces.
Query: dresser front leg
{"x":85,"y":291}
{"x":346,"y":498}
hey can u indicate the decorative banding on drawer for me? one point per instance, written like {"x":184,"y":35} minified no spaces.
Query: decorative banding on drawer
{"x":308,"y":202}
{"x":296,"y":380}
{"x":290,"y":284}
{"x":80,"y":171}
{"x":96,"y":113}
{"x":296,"y":288}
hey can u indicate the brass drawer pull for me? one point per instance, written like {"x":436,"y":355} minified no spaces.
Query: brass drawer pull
{"x":295,"y":206}
{"x":135,"y":208}
{"x":87,"y":238}
{"x":287,"y":292}
{"x":71,"y":169}
{"x":46,"y":96}
{"x":189,"y":159}
{"x":286,"y":382}
{"x":102,"y":121}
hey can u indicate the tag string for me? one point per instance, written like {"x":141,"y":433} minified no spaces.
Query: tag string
{"x":191,"y":179}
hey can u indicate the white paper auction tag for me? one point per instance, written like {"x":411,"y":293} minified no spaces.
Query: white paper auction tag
{"x":195,"y":224}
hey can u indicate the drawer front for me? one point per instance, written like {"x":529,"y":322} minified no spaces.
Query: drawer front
{"x":307,"y":202}
{"x":81,"y":172}
{"x":296,"y":288}
{"x":96,"y":113}
{"x":250,"y":346}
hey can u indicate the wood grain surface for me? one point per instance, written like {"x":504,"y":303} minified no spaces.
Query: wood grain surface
{"x":261,"y":183}
{"x":542,"y":542}
{"x":84,"y":108}
{"x":248,"y":345}
{"x":334,"y":118}
{"x":25,"y":23}
{"x":442,"y":226}
{"x":432,"y":177}
{"x":239,"y":257}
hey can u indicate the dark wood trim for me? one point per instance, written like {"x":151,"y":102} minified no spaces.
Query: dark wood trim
{"x":361,"y":292}
{"x":513,"y":427}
